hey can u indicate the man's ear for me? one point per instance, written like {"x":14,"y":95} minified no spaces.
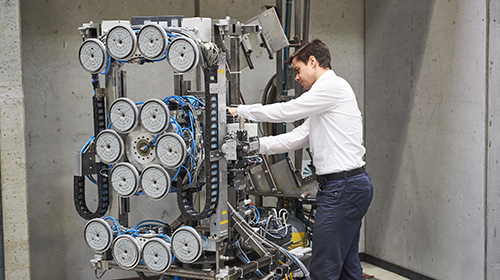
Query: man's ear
{"x":312,"y":60}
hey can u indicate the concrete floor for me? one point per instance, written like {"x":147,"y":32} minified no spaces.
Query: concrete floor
{"x":379,"y":273}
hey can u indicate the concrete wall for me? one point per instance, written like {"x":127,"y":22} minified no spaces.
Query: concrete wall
{"x":58,"y":105}
{"x":429,"y":69}
{"x":493,"y":154}
{"x":426,"y":113}
{"x":16,"y":255}
{"x":58,"y":119}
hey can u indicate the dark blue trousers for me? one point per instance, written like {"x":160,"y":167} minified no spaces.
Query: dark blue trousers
{"x":341,"y":205}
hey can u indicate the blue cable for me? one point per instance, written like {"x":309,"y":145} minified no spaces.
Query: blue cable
{"x":179,"y":130}
{"x":177,"y":125}
{"x":117,"y":225}
{"x":154,"y":140}
{"x":194,"y":101}
{"x":147,"y":225}
{"x":248,"y":261}
{"x":148,"y":221}
{"x":161,"y":59}
{"x":206,"y":241}
{"x":259,"y":160}
{"x":253,"y":208}
{"x":109,"y":64}
{"x":178,"y":169}
{"x":132,"y":232}
{"x":164,"y":236}
{"x":188,"y":173}
{"x":93,"y":81}
{"x":87,"y":144}
{"x":91,"y":180}
{"x":179,"y":99}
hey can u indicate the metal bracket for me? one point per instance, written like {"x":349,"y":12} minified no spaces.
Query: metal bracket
{"x":100,"y":92}
{"x":268,"y":174}
{"x":98,"y":264}
{"x":215,"y":155}
{"x":84,"y":164}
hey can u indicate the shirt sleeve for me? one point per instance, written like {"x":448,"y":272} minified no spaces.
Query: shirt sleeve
{"x":293,"y":140}
{"x":320,"y":98}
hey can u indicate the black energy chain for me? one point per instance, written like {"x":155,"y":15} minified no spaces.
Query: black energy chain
{"x":211,"y":136}
{"x":102,"y":178}
{"x":103,"y":195}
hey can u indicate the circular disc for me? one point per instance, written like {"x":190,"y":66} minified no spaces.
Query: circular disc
{"x":152,"y":41}
{"x":157,"y":255}
{"x":139,"y":148}
{"x":124,"y":179}
{"x":126,"y":251}
{"x":171,"y":150}
{"x":123,"y":115}
{"x":186,"y":244}
{"x":155,"y":182}
{"x":154,"y":116}
{"x":92,"y":55}
{"x":109,"y":146}
{"x":121,"y":42}
{"x":98,"y":235}
{"x":183,"y":54}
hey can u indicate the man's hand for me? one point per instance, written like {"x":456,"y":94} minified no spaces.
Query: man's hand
{"x":233,"y":110}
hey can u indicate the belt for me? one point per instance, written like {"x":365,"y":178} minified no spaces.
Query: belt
{"x":339,"y":175}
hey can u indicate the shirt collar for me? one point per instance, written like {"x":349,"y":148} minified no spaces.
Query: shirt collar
{"x":326,"y":75}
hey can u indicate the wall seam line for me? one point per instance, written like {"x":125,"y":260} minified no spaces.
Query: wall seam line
{"x":486,"y":131}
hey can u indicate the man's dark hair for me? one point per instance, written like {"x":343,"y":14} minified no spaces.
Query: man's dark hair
{"x":316,"y":48}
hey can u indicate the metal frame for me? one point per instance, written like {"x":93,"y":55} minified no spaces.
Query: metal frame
{"x":222,"y":83}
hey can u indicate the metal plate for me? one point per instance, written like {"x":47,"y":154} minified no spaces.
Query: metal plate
{"x":271,"y":29}
{"x":186,"y":244}
{"x":123,"y":115}
{"x":157,"y":255}
{"x":126,"y":251}
{"x":98,"y":235}
{"x":171,"y":150}
{"x":183,"y":54}
{"x":154,"y":116}
{"x":109,"y":146}
{"x":284,"y":179}
{"x":124,"y":179}
{"x":152,"y":41}
{"x":121,"y":42}
{"x":139,"y":150}
{"x":92,"y":55}
{"x":155,"y":182}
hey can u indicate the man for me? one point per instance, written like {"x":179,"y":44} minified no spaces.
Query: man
{"x":333,"y":131}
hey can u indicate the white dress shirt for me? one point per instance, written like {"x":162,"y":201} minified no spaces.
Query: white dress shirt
{"x":333,"y":130}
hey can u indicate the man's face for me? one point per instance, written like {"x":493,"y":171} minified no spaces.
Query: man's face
{"x":304,"y":72}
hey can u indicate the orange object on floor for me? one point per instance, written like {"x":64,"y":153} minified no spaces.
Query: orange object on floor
{"x":366,"y":276}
